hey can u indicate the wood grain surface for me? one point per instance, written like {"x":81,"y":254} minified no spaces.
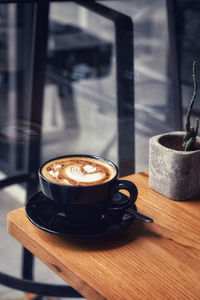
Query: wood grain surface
{"x":159,"y":260}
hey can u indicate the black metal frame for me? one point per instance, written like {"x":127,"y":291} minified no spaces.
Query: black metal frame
{"x":174,"y":68}
{"x":125,"y":101}
{"x":125,"y":83}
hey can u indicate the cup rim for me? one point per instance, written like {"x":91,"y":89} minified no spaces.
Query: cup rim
{"x":79,"y":186}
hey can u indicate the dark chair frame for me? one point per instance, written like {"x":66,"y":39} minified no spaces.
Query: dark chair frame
{"x":173,"y":67}
{"x":125,"y":109}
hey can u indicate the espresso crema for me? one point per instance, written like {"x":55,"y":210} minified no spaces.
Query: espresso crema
{"x":78,"y":171}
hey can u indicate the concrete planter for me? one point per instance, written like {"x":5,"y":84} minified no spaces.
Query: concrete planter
{"x":174,"y":174}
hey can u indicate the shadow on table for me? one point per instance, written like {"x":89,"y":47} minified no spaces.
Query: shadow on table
{"x":135,"y":231}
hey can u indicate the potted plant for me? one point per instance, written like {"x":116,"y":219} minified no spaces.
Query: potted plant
{"x":174,"y":159}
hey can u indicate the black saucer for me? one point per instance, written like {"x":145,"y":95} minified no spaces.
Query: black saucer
{"x":48,"y":216}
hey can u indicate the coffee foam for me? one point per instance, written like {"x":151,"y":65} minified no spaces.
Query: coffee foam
{"x":78,"y":171}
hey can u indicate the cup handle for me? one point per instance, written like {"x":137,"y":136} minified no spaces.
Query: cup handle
{"x":119,"y":203}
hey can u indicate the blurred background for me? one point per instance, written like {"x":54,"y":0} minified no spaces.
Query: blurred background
{"x":79,"y":112}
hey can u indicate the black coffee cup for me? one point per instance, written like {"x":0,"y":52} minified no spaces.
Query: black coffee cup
{"x":88,"y":204}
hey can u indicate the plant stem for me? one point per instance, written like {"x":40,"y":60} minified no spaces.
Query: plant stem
{"x":187,"y":121}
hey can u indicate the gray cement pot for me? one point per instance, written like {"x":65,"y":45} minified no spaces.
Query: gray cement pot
{"x":174,"y":174}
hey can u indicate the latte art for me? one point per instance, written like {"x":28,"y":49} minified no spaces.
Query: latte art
{"x":85,"y":173}
{"x":78,"y":171}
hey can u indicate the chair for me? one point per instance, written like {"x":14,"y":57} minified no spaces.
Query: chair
{"x":125,"y":101}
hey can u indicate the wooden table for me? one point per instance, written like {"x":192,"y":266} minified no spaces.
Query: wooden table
{"x":159,"y":260}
